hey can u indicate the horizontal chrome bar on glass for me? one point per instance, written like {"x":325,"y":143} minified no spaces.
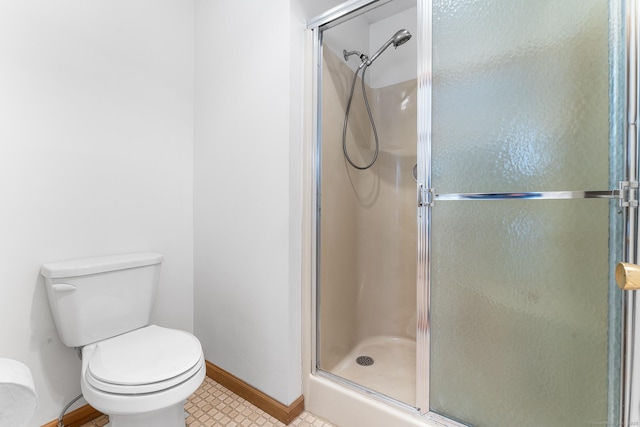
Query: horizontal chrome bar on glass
{"x":549,"y":195}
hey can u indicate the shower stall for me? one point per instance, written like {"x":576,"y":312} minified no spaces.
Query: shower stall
{"x":475,"y":183}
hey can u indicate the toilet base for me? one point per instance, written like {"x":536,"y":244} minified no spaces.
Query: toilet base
{"x":173,"y":416}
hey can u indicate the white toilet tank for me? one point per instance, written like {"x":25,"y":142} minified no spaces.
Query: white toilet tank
{"x":97,"y":298}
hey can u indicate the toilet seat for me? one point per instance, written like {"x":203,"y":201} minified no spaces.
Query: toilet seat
{"x":147,"y":360}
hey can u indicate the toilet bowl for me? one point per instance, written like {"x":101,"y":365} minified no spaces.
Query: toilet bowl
{"x":143,"y":377}
{"x":138,"y":374}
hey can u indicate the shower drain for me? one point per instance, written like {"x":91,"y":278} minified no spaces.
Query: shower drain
{"x":364,"y":360}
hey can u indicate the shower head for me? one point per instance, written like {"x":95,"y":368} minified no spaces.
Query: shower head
{"x":399,"y":38}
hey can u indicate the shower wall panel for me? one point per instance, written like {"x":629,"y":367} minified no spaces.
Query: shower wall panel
{"x":387,"y":249}
{"x":368,"y":227}
{"x":337,"y":276}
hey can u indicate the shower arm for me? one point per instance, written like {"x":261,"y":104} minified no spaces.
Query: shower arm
{"x":363,"y":57}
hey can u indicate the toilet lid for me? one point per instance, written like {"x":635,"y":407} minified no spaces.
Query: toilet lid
{"x":148,"y":355}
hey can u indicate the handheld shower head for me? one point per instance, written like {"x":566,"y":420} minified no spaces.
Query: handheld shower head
{"x":399,"y":38}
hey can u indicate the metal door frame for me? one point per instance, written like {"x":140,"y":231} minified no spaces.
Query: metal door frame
{"x":630,"y":379}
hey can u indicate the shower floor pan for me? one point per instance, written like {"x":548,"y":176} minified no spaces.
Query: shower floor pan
{"x":393,"y":371}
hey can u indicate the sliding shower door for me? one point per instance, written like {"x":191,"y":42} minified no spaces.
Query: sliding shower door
{"x":526,"y":142}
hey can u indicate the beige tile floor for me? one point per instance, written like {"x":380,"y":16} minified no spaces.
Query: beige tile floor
{"x":214,"y":406}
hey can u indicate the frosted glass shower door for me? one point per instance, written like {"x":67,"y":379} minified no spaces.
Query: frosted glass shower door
{"x":524,"y":315}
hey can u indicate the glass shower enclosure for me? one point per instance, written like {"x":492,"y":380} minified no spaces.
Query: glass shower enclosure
{"x":466,"y":274}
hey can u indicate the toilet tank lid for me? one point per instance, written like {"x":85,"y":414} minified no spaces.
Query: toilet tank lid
{"x":86,"y":266}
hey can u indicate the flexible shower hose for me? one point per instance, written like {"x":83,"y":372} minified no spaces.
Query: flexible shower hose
{"x":346,"y":120}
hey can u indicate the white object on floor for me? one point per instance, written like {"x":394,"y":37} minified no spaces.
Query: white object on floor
{"x":18,"y":397}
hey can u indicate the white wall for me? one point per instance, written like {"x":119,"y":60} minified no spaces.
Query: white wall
{"x":96,"y":105}
{"x":249,"y":59}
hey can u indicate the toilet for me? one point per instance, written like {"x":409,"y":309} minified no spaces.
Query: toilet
{"x":138,"y":374}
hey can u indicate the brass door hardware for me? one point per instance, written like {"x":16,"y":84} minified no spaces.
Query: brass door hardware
{"x":628,"y":276}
